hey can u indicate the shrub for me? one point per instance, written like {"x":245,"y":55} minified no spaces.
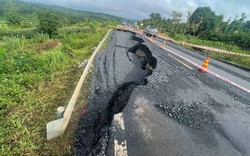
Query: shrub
{"x":48,"y":23}
{"x":28,"y":33}
{"x":3,"y":25}
{"x":13,"y":43}
{"x":68,"y":30}
{"x":40,"y":38}
{"x":13,"y":18}
{"x":67,"y":49}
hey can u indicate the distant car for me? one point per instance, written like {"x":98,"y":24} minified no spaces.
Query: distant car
{"x":151,"y":31}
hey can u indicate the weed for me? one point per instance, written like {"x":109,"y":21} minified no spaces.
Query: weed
{"x":40,"y":38}
{"x":34,"y":84}
{"x":238,"y":60}
{"x":14,"y":43}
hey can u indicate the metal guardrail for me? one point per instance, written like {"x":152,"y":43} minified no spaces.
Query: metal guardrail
{"x":57,"y":127}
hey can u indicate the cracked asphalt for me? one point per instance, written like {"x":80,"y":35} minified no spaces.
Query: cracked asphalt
{"x":167,"y":108}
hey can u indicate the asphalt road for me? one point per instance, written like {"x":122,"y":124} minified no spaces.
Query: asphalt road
{"x":147,"y":101}
{"x":237,"y":75}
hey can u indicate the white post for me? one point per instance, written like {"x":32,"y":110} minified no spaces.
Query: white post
{"x":59,"y":112}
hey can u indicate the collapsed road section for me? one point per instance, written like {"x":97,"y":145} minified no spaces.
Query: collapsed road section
{"x":167,"y":108}
{"x":122,"y":66}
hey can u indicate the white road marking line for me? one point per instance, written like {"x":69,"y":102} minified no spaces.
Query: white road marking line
{"x":120,"y":149}
{"x":205,"y":69}
{"x":181,"y":62}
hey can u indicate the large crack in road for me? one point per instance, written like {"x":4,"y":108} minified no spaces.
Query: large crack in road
{"x":119,"y":69}
{"x":168,"y":109}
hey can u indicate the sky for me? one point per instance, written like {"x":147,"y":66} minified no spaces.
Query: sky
{"x":141,"y":9}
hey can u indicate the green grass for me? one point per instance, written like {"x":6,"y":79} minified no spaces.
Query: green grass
{"x":33,"y":84}
{"x":238,"y":60}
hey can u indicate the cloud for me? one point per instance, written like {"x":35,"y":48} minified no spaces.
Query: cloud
{"x":229,"y":8}
{"x":140,"y":9}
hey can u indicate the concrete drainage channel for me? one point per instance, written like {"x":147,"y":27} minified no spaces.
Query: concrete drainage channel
{"x":118,"y":71}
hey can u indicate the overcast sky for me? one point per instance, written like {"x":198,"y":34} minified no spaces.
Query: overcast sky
{"x":140,"y":9}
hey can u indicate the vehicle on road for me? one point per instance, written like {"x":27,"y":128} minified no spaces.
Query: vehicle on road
{"x":151,"y":31}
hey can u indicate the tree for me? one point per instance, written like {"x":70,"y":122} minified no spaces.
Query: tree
{"x":238,"y":24}
{"x":10,"y":6}
{"x":48,"y":23}
{"x":176,"y":21}
{"x":243,"y":17}
{"x":10,"y":14}
{"x":195,"y":27}
{"x":166,"y":25}
{"x":30,"y":21}
{"x":225,"y":25}
{"x":247,"y":25}
{"x":206,"y":18}
{"x":12,"y":18}
{"x":154,"y":20}
{"x":187,"y":25}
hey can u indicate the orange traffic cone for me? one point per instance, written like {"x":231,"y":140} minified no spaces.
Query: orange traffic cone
{"x":205,"y":65}
{"x":151,"y":39}
{"x":163,"y":44}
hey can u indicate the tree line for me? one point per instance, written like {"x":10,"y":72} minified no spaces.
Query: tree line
{"x":26,"y":16}
{"x":44,"y":21}
{"x":205,"y":24}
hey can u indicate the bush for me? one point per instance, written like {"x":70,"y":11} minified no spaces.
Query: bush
{"x":68,"y":30}
{"x":67,"y":49}
{"x":40,"y":38}
{"x":13,"y":43}
{"x":13,"y":18}
{"x":241,"y":39}
{"x":28,"y":33}
{"x":48,"y":23}
{"x":3,"y":25}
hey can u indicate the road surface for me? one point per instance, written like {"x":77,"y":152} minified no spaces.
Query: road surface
{"x":146,"y":101}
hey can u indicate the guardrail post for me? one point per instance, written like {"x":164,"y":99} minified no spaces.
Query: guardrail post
{"x":59,"y":112}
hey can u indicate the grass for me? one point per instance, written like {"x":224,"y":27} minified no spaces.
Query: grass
{"x":34,"y":82}
{"x":237,"y":60}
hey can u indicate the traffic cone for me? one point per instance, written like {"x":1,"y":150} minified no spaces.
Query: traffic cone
{"x":151,"y":39}
{"x":163,"y":44}
{"x":205,"y":65}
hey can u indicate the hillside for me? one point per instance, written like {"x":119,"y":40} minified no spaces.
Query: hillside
{"x":27,"y":8}
{"x":40,"y":52}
